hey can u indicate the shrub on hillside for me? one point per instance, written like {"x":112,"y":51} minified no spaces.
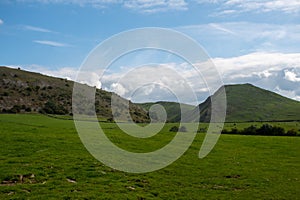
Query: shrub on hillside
{"x":51,"y":107}
{"x":15,"y":109}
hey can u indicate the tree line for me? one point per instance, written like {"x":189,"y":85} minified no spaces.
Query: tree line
{"x":265,"y":129}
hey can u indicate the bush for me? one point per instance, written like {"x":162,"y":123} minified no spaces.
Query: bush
{"x":174,"y":129}
{"x":15,"y":109}
{"x":265,"y":129}
{"x":234,"y":131}
{"x":110,"y":120}
{"x":278,"y":131}
{"x":291,"y":132}
{"x":225,"y":131}
{"x":251,"y":130}
{"x":203,"y":130}
{"x":51,"y":107}
{"x":27,"y":109}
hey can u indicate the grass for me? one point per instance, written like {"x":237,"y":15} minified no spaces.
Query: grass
{"x":43,"y":158}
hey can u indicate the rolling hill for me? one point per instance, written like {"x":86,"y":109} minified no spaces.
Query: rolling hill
{"x":246,"y":103}
{"x":23,"y":91}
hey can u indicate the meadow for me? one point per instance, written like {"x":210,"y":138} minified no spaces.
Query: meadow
{"x":43,"y":158}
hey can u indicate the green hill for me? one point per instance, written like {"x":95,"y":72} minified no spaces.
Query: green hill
{"x":173,"y":109}
{"x":23,"y":91}
{"x":246,"y":102}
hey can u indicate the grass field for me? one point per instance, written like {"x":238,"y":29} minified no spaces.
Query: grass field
{"x":43,"y":158}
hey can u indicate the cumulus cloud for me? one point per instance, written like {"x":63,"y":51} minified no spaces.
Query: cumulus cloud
{"x":51,"y":43}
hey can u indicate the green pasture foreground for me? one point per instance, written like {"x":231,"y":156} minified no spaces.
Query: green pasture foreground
{"x":43,"y":158}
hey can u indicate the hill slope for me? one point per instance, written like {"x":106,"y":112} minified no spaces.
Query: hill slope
{"x":23,"y":91}
{"x":246,"y":102}
{"x":172,"y":109}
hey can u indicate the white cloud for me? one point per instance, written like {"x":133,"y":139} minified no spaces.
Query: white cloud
{"x":256,"y":62}
{"x":145,"y":6}
{"x":289,"y":6}
{"x":118,"y":88}
{"x":153,"y":6}
{"x":291,"y":75}
{"x":51,"y":43}
{"x":38,"y":29}
{"x":1,"y":22}
{"x":288,"y":93}
{"x":238,"y":6}
{"x":221,"y":28}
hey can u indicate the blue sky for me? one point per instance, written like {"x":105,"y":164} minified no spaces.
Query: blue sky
{"x":256,"y":41}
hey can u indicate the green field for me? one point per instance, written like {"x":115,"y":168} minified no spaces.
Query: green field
{"x":43,"y":158}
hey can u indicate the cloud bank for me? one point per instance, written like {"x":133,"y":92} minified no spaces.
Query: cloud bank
{"x":277,"y":72}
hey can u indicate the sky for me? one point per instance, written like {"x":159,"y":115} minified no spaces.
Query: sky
{"x":249,"y":41}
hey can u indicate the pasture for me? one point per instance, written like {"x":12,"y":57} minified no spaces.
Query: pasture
{"x":43,"y":158}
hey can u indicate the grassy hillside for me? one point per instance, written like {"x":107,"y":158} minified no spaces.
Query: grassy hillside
{"x":173,"y":109}
{"x":23,"y":91}
{"x":246,"y":102}
{"x":43,"y":158}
